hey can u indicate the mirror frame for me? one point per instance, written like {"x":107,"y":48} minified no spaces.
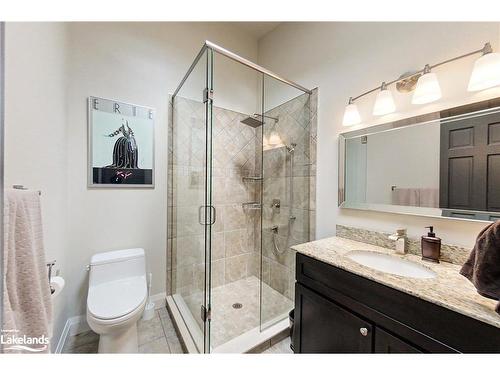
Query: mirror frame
{"x":451,"y":114}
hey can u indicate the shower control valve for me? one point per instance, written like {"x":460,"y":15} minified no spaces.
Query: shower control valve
{"x":276,"y":204}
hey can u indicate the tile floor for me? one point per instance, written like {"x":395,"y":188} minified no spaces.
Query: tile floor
{"x":228,"y":322}
{"x":155,"y":336}
{"x":282,"y":347}
{"x":158,"y":336}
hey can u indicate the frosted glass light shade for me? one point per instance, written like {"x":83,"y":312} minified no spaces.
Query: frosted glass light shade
{"x":427,"y":90}
{"x":351,"y":115}
{"x":384,"y":103}
{"x":486,"y":72}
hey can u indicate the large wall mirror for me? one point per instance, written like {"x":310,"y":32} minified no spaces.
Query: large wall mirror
{"x":444,"y":164}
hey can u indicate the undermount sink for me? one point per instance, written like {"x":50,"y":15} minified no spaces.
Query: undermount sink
{"x":390,"y":264}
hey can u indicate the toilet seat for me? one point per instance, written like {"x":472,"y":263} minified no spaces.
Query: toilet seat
{"x":117,"y":300}
{"x":95,"y":321}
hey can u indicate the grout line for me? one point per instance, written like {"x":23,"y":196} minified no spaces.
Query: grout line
{"x":162,"y":326}
{"x":164,"y":332}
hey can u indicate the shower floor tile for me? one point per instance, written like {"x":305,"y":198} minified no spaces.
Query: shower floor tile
{"x":229,"y":322}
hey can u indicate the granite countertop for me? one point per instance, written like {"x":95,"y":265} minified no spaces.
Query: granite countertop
{"x":448,"y":289}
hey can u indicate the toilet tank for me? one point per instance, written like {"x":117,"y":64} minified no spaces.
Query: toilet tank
{"x":116,"y":265}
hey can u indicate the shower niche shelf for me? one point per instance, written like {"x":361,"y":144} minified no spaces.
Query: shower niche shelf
{"x":251,"y":206}
{"x":274,"y":147}
{"x":252,"y":178}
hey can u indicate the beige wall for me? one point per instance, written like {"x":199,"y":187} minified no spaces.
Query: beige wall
{"x":36,"y":134}
{"x":416,"y":165}
{"x":137,"y":63}
{"x":344,"y":59}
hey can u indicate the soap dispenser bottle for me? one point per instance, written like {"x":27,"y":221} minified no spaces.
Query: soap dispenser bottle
{"x":431,"y":246}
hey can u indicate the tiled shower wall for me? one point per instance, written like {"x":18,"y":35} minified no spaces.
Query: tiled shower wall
{"x":234,"y":242}
{"x":295,"y":218}
{"x":186,"y":189}
{"x":236,"y":233}
{"x":233,"y":234}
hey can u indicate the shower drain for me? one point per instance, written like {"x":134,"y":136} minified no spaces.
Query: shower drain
{"x":237,"y":305}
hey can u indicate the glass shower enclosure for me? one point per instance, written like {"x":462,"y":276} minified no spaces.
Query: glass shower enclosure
{"x":240,"y":174}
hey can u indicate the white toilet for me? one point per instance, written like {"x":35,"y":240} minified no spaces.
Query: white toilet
{"x":116,"y":299}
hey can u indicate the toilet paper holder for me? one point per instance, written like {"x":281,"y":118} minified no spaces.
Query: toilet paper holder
{"x":49,"y":266}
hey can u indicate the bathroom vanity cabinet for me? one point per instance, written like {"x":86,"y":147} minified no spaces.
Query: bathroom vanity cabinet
{"x":337,"y":311}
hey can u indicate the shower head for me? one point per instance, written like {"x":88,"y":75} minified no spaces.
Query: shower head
{"x":256,"y":120}
{"x":252,"y":121}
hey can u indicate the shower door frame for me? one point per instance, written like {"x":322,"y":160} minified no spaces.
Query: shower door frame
{"x":216,"y":48}
{"x":207,"y":213}
{"x":211,"y":48}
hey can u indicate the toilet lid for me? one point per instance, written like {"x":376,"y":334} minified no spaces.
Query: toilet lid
{"x":116,"y":298}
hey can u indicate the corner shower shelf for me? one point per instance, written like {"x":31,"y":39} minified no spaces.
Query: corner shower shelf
{"x":251,"y":205}
{"x":252,"y":178}
{"x":275,"y":147}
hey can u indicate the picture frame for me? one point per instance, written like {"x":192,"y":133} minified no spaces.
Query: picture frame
{"x":121,"y":151}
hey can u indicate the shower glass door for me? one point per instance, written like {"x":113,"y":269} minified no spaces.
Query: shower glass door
{"x":240,"y":167}
{"x":191,"y":211}
{"x":286,"y":171}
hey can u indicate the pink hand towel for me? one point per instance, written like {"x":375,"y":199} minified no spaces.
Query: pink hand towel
{"x":27,"y":300}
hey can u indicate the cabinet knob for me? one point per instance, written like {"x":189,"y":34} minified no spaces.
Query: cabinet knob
{"x":363,"y":331}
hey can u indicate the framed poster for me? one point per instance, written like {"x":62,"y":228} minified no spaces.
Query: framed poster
{"x":121,"y":144}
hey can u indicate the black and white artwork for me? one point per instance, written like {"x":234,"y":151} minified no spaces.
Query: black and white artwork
{"x":121,"y":144}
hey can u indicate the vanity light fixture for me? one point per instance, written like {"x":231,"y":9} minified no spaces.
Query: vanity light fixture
{"x":486,"y":71}
{"x":384,"y":103}
{"x":485,"y":74}
{"x":351,"y":114}
{"x":427,"y":89}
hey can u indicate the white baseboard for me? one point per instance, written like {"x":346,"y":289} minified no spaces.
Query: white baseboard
{"x":78,"y":324}
{"x":73,"y":326}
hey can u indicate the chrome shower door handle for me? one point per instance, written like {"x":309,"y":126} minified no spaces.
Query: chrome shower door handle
{"x":203,"y":220}
{"x":214,"y":216}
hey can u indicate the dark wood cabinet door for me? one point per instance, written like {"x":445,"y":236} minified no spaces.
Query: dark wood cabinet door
{"x":387,"y":343}
{"x":322,"y":326}
{"x":470,"y":164}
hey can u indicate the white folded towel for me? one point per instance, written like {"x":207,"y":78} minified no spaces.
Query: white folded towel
{"x":416,"y":197}
{"x":405,"y":197}
{"x":429,"y":197}
{"x":27,"y":302}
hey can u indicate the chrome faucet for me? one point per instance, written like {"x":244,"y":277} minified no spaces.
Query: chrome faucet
{"x":400,"y":238}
